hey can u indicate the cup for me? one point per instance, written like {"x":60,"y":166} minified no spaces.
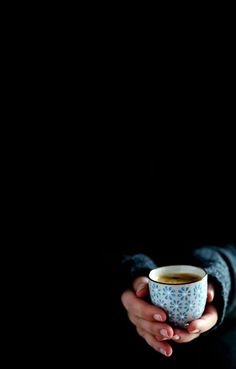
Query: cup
{"x":180,"y":290}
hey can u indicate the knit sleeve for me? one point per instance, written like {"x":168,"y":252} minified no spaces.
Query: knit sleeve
{"x":133,"y":266}
{"x":220,"y":264}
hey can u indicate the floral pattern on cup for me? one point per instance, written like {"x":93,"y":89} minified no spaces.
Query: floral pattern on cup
{"x":182,"y":303}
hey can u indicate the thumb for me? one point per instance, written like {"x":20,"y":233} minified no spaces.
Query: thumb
{"x":140,"y":286}
{"x":210,"y":293}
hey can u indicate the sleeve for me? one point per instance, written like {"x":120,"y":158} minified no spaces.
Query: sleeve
{"x":133,"y":266}
{"x":220,"y":264}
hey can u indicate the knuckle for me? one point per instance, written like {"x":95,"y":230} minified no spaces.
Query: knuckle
{"x":132,"y":318}
{"x":140,"y":310}
{"x":150,"y":327}
{"x":140,"y":331}
{"x":148,"y":339}
{"x":124,"y":299}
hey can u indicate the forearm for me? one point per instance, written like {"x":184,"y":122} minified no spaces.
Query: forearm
{"x":220,"y":262}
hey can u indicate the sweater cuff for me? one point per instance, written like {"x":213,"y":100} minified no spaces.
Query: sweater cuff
{"x":132,"y":267}
{"x":218,"y":273}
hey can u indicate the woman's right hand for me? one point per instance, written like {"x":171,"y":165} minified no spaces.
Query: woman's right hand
{"x":148,"y":319}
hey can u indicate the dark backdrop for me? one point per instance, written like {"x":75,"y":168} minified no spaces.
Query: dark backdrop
{"x":148,"y":204}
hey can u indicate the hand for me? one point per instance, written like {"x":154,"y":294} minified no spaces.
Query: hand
{"x":148,"y":319}
{"x":196,"y":327}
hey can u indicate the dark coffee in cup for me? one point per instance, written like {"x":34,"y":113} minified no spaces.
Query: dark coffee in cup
{"x":178,"y":278}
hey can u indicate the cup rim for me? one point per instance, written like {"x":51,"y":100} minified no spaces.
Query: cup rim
{"x":174,"y":265}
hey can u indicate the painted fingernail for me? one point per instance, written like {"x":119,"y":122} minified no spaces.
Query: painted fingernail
{"x":195,"y":331}
{"x":163,"y":332}
{"x":162,"y":351}
{"x":157,"y":317}
{"x":176,"y":337}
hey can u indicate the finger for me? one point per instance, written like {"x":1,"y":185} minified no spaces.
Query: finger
{"x":141,"y":308}
{"x":206,"y":322}
{"x":140,"y":331}
{"x":163,"y":347}
{"x":140,"y":286}
{"x":210,"y":293}
{"x":182,"y":336}
{"x":159,"y":330}
{"x":133,"y":318}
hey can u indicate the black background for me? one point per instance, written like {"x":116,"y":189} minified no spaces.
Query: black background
{"x":139,"y":201}
{"x":143,"y":199}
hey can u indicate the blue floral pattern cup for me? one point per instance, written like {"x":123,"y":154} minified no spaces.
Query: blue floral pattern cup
{"x":182,"y":302}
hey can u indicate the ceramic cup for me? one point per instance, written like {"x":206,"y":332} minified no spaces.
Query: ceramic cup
{"x":182,"y":302}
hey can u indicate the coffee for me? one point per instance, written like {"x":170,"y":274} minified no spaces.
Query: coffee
{"x":178,"y":278}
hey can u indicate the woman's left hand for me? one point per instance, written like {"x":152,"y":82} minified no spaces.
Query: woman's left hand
{"x":196,"y":327}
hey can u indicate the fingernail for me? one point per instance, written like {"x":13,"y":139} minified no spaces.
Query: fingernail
{"x":163,"y":332}
{"x":176,"y":337}
{"x":195,"y":331}
{"x":141,"y":287}
{"x":162,"y":351}
{"x":157,"y":317}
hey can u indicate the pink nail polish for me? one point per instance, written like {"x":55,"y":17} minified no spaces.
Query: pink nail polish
{"x":162,"y":351}
{"x":157,"y":317}
{"x":163,"y":332}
